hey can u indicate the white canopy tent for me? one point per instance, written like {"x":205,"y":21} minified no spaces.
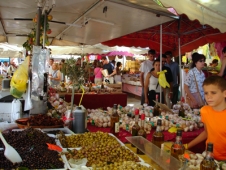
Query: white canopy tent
{"x":11,"y":51}
{"x":211,"y":12}
{"x":93,"y":49}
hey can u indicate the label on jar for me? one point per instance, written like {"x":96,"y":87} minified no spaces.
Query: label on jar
{"x":117,"y":127}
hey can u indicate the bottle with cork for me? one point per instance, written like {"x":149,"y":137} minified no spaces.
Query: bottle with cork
{"x":136,"y":127}
{"x":141,"y":132}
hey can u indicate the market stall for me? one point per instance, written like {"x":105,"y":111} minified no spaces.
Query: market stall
{"x":95,"y":101}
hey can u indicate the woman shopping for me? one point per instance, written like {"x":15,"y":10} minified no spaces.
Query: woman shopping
{"x":98,"y":73}
{"x":193,"y":82}
{"x":55,"y":77}
{"x":117,"y":73}
{"x":151,"y":85}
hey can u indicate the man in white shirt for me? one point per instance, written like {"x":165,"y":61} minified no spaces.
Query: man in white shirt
{"x":12,"y":67}
{"x":51,"y":61}
{"x":4,"y":68}
{"x":146,"y":67}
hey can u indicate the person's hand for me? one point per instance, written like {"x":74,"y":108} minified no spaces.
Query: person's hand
{"x":146,"y":101}
{"x":194,"y":103}
{"x":170,"y":95}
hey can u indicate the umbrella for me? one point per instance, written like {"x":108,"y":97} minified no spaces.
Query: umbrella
{"x":119,"y":53}
{"x":192,"y":35}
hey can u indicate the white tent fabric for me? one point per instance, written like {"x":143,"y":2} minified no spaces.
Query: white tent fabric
{"x":11,"y":51}
{"x":211,"y":12}
{"x":93,"y":49}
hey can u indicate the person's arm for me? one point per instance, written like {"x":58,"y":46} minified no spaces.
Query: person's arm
{"x":178,"y":76}
{"x":142,"y":79}
{"x":58,"y":78}
{"x":202,"y":136}
{"x":146,"y":84}
{"x":113,"y":73}
{"x":223,"y":66}
{"x":187,"y":91}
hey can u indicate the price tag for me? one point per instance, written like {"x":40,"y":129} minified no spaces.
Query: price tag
{"x":117,"y":127}
{"x":54,"y":147}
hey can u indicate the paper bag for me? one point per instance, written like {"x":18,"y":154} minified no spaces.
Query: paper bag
{"x":27,"y":98}
{"x":16,"y":110}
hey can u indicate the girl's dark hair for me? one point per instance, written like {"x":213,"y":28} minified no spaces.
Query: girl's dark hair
{"x":196,"y":57}
{"x":218,"y":81}
{"x":157,"y":60}
{"x":98,"y":64}
{"x":118,"y":64}
{"x":224,"y":50}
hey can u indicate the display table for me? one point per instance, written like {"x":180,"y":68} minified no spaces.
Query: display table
{"x":133,"y":89}
{"x":186,"y":136}
{"x":95,"y":101}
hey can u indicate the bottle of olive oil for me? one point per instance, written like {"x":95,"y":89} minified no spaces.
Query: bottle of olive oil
{"x":208,"y":162}
{"x":177,"y":149}
{"x":158,"y":136}
{"x":115,"y":121}
{"x":156,"y":111}
{"x":136,"y":126}
{"x":141,"y":132}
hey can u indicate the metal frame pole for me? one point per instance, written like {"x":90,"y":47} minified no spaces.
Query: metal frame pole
{"x":161,"y":59}
{"x":44,"y":33}
{"x":39,"y":13}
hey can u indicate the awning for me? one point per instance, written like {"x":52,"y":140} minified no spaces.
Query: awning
{"x":192,"y":35}
{"x":210,"y":12}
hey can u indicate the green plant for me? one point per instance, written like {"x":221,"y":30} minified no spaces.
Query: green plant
{"x":77,"y":72}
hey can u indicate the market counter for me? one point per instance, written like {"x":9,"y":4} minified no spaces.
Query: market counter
{"x":133,"y":89}
{"x":95,"y":101}
{"x":186,"y":136}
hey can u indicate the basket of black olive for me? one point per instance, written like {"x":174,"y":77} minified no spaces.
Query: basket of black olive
{"x":40,"y":121}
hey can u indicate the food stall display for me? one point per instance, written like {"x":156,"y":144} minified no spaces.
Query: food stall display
{"x":190,"y":122}
{"x":100,"y":149}
{"x":132,"y":66}
{"x":132,"y":79}
{"x":31,"y":146}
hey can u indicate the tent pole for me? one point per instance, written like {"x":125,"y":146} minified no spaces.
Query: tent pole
{"x":161,"y":59}
{"x":39,"y":14}
{"x":44,"y":33}
{"x":181,"y":71}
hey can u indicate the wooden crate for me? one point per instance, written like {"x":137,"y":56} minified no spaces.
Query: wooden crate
{"x":117,"y":88}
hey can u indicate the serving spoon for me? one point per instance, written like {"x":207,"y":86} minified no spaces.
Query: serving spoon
{"x":10,"y":153}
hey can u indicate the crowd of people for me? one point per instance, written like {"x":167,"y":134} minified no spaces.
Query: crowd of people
{"x":113,"y":71}
{"x":8,"y":68}
{"x":207,"y":93}
{"x":192,"y":84}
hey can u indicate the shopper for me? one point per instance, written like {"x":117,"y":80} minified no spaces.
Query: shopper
{"x":55,"y":77}
{"x":174,"y":67}
{"x":62,"y":69}
{"x":213,"y":116}
{"x":4,"y":68}
{"x":98,"y":74}
{"x":194,"y":79}
{"x":223,"y":64}
{"x":145,"y":68}
{"x":109,"y":67}
{"x":12,"y":67}
{"x":51,"y":61}
{"x":169,"y":78}
{"x":117,"y":73}
{"x":151,"y":85}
